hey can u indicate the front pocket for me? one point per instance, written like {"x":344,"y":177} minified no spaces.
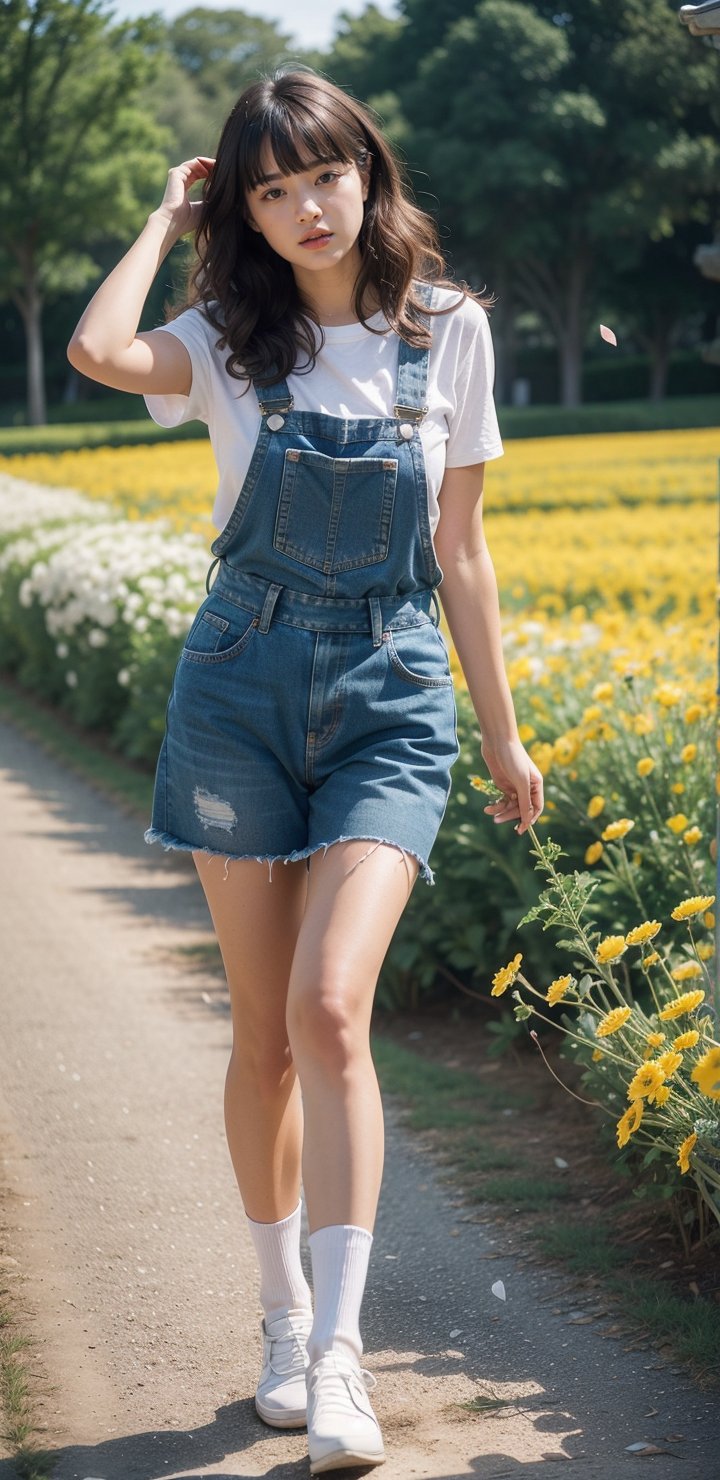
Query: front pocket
{"x":335,"y":513}
{"x":418,"y":655}
{"x":214,"y":639}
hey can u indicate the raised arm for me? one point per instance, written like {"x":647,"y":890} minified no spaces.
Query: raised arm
{"x":106,"y":345}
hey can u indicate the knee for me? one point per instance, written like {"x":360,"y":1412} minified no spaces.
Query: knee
{"x":322,"y":1024}
{"x":267,"y":1065}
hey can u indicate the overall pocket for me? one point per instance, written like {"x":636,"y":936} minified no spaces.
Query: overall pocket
{"x":419,"y":655}
{"x":334,"y":513}
{"x":213,"y":638}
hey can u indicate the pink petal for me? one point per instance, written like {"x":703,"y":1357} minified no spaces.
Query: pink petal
{"x":608,"y":334}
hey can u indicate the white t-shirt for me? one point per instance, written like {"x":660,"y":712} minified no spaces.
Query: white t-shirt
{"x":355,"y":374}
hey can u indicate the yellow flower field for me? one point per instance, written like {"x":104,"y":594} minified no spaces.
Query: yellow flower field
{"x":605,"y":520}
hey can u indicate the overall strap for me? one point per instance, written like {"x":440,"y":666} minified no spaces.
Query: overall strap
{"x":413,"y":369}
{"x":273,"y":398}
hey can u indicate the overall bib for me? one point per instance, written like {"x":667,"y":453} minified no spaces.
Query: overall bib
{"x":313,"y":701}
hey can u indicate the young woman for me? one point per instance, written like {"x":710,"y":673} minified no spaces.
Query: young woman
{"x":312,"y":720}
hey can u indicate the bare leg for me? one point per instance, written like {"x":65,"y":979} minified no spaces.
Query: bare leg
{"x":257,"y":923}
{"x":356,"y":895}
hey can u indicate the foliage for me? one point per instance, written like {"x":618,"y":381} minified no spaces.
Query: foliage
{"x":649,"y":1045}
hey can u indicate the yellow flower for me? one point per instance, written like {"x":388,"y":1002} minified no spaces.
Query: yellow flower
{"x":526,"y":732}
{"x":678,"y":787}
{"x":677,"y":822}
{"x":505,"y":976}
{"x":629,"y":1122}
{"x":643,"y":724}
{"x":597,"y":1054}
{"x":610,"y":948}
{"x":705,"y":950}
{"x":645,"y":1080}
{"x":542,"y":754}
{"x":683,"y":1160}
{"x":707,"y":1073}
{"x":661,"y":1094}
{"x":602,"y":691}
{"x":693,"y":835}
{"x":591,"y":713}
{"x":669,"y":1061}
{"x":651,"y":959}
{"x":595,"y":806}
{"x":686,"y":971}
{"x":646,"y":931}
{"x":687,"y":1003}
{"x":557,"y":989}
{"x":668,"y":694}
{"x":479,"y":783}
{"x":688,"y":753}
{"x":594,"y":852}
{"x":709,"y":919}
{"x":655,"y":1039}
{"x":645,"y":766}
{"x":616,"y":1018}
{"x":693,"y":906}
{"x":617,"y":829}
{"x":692,"y":713}
{"x":686,"y":1040}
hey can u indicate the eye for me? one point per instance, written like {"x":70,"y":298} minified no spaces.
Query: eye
{"x":329,"y":175}
{"x":275,"y":190}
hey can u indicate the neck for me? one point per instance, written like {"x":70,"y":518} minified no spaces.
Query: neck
{"x":330,"y":294}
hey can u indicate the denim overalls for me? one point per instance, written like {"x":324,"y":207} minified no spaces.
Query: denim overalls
{"x":313,"y":702}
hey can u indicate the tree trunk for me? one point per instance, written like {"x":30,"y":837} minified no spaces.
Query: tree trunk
{"x":571,"y":339}
{"x":659,"y":365}
{"x":30,"y":306}
{"x":502,"y":320}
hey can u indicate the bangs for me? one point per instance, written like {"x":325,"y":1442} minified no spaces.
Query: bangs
{"x":298,"y":140}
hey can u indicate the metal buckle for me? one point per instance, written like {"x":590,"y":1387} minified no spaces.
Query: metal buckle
{"x":268,"y":407}
{"x":410,"y":413}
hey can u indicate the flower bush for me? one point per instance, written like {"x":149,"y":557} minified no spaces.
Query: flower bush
{"x":93,"y":610}
{"x":653,"y":1069}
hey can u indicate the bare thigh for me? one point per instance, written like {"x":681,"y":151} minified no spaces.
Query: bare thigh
{"x":257,"y":923}
{"x":356,"y":895}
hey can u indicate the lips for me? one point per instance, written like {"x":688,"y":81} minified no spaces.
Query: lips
{"x":314,"y":235}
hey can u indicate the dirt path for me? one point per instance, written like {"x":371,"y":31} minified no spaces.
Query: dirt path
{"x":135,"y":1269}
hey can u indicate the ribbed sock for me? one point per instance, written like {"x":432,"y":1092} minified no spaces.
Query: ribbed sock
{"x":340,"y":1255}
{"x":283,"y":1285}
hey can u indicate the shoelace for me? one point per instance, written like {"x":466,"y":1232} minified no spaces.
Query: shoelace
{"x":336,"y":1378}
{"x":289,"y":1350}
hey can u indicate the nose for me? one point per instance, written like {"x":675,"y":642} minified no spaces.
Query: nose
{"x":308,"y":210}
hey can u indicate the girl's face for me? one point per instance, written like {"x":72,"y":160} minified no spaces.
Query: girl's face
{"x":324,"y":202}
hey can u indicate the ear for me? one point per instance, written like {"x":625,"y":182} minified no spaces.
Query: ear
{"x":249,"y":221}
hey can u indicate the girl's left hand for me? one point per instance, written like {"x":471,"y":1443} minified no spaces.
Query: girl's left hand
{"x":519,"y":778}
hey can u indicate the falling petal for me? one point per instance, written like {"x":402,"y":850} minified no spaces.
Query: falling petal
{"x":608,"y":334}
{"x":498,"y":1289}
{"x":456,"y":1332}
{"x":560,"y":1163}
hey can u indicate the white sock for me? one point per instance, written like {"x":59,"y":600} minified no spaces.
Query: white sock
{"x":340,"y":1254}
{"x":283,"y":1285}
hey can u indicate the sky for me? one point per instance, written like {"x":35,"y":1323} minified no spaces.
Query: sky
{"x":310,"y":22}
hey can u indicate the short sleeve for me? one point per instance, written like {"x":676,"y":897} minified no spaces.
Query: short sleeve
{"x":172,"y":411}
{"x":474,"y":434}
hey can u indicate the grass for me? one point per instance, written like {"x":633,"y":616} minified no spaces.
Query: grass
{"x":17,"y":1403}
{"x":111,"y":423}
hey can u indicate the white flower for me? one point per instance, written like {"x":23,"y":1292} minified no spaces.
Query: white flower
{"x":123,"y":677}
{"x":71,"y":679}
{"x":62,"y":650}
{"x":96,"y":637}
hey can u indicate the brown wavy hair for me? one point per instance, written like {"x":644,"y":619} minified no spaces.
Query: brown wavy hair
{"x":246,"y":290}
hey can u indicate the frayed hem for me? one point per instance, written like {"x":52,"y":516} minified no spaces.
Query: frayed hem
{"x":169,"y":842}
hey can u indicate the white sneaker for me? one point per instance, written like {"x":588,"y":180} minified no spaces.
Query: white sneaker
{"x":342,"y":1428}
{"x":281,"y":1396}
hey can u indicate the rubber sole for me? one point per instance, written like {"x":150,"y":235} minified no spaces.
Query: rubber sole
{"x":296,"y":1420}
{"x":343,"y":1459}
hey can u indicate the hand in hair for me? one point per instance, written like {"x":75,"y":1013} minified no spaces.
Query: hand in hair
{"x":175,"y":206}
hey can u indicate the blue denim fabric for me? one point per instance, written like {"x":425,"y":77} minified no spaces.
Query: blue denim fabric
{"x":312,"y":701}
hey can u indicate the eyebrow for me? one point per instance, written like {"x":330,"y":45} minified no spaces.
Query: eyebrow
{"x":266,"y":179}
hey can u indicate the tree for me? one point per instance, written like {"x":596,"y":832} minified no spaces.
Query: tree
{"x":82,"y":165}
{"x":560,"y":142}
